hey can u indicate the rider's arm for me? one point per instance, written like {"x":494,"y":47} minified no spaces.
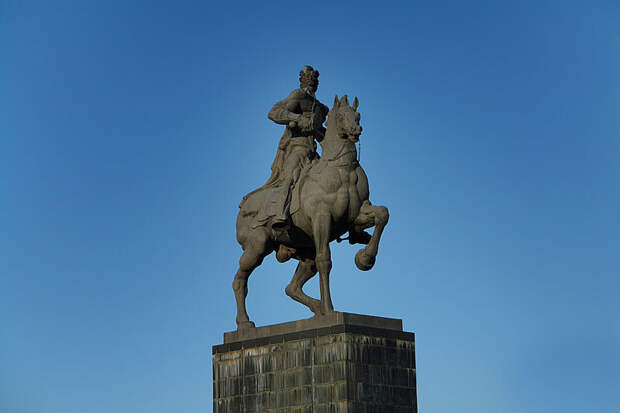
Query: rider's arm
{"x":283,"y":112}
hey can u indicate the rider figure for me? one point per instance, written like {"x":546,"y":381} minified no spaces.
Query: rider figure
{"x":303,"y":116}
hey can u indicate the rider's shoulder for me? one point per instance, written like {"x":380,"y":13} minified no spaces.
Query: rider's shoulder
{"x":297,"y":94}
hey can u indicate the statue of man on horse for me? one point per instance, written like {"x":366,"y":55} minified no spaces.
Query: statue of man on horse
{"x":308,"y":201}
{"x":303,"y":115}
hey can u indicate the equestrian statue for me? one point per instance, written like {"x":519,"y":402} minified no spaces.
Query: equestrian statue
{"x":309,"y":200}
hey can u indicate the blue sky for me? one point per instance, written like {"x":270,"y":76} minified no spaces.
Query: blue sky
{"x":131,"y":130}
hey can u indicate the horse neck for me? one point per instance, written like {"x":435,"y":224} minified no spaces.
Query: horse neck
{"x":332,"y":144}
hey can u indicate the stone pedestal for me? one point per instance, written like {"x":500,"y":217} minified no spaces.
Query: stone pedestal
{"x":339,"y":363}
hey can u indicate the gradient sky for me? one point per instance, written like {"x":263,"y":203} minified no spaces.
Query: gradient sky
{"x":131,"y":130}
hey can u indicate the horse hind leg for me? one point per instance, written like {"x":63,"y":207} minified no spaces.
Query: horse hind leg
{"x":251,"y":258}
{"x":306,"y":269}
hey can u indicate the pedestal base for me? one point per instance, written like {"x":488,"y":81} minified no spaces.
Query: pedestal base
{"x":340,"y":363}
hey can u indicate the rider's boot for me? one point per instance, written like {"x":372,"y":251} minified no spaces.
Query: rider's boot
{"x":280,"y":225}
{"x":284,"y":253}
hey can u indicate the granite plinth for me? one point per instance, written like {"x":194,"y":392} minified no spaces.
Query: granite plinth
{"x":334,"y":319}
{"x":338,"y":364}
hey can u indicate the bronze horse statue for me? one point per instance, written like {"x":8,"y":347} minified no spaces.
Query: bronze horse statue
{"x":332,"y":199}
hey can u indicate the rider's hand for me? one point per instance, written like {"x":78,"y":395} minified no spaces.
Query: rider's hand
{"x":305,"y":122}
{"x":294,"y":122}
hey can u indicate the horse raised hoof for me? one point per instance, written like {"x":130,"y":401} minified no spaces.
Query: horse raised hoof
{"x":364,"y":261}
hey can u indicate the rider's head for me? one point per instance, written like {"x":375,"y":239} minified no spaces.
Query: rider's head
{"x":309,"y":79}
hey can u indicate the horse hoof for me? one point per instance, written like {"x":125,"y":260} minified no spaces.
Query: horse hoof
{"x":364,"y":261}
{"x":316,"y":308}
{"x":323,"y":313}
{"x":245,"y":325}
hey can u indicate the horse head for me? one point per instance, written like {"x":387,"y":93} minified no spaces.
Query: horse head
{"x":346,"y":118}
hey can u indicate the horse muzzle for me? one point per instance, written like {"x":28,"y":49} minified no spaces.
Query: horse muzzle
{"x":354,"y":135}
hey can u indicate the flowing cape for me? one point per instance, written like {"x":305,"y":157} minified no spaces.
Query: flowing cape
{"x":277,"y":167}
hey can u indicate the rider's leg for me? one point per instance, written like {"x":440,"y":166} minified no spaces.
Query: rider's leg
{"x":292,"y":167}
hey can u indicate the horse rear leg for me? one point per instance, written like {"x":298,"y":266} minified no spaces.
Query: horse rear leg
{"x":306,"y":269}
{"x":251,"y":258}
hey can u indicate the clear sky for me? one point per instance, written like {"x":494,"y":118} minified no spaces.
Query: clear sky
{"x":130,"y":131}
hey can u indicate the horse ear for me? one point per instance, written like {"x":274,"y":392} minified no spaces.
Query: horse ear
{"x":356,"y":103}
{"x":336,"y":101}
{"x":345,"y":100}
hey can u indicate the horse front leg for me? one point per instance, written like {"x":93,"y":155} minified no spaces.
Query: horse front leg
{"x":370,"y":215}
{"x":321,"y":226}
